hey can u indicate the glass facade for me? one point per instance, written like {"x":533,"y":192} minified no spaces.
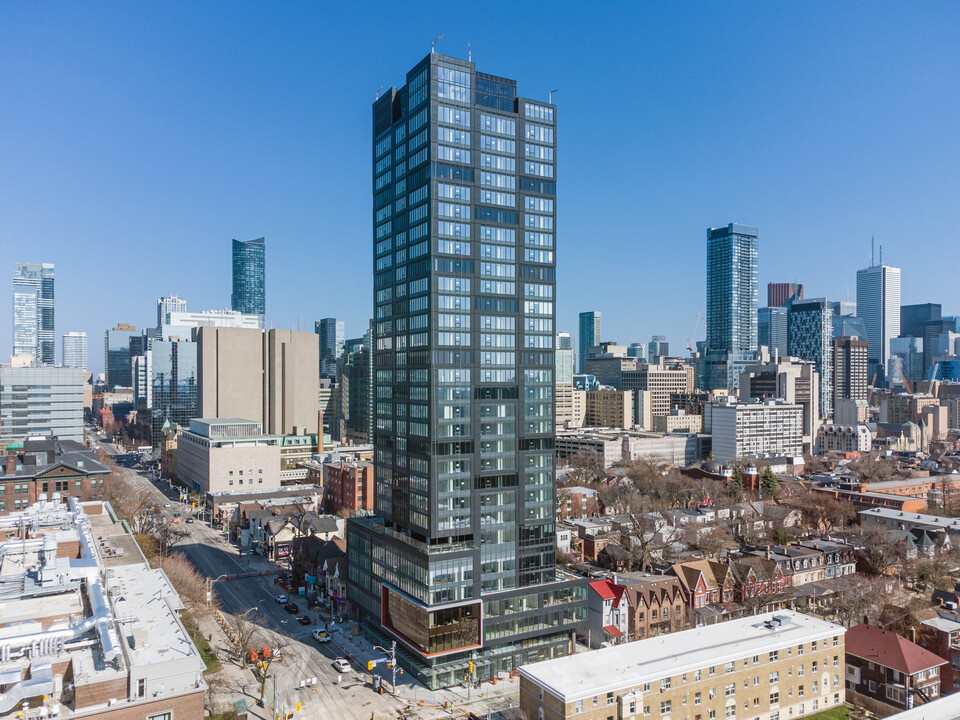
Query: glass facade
{"x":588,"y":337}
{"x":810,"y":337}
{"x":74,"y":350}
{"x":118,"y":356}
{"x":172,"y":369}
{"x":331,"y":334}
{"x":463,"y":365}
{"x":249,"y":293}
{"x":33,"y":312}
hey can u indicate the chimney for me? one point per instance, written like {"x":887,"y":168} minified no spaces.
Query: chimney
{"x":866,"y":619}
{"x":913,"y":634}
{"x":768,"y":552}
{"x":11,"y":467}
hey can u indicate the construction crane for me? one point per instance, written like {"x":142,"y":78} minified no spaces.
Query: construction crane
{"x":873,"y":385}
{"x":696,"y":326}
{"x":906,"y":384}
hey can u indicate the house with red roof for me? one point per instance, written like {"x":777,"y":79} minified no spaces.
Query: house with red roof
{"x":886,"y":667}
{"x":608,"y":613}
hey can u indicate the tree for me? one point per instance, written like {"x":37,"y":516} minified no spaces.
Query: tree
{"x":883,"y":551}
{"x":713,"y":541}
{"x":189,"y":584}
{"x":169,"y":534}
{"x":735,"y":489}
{"x":264,"y":663}
{"x":640,"y":533}
{"x":768,"y":483}
{"x":245,"y":628}
{"x":814,"y":465}
{"x":821,"y":512}
{"x":855,"y":596}
{"x":584,"y":468}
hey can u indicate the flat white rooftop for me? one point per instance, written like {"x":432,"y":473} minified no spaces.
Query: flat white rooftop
{"x":946,"y":708}
{"x":623,"y":666}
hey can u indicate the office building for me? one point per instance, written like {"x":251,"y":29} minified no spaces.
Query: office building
{"x":355,"y":397}
{"x":848,"y":326}
{"x":609,"y":408}
{"x":850,"y":412}
{"x":41,"y":401}
{"x":607,"y":362}
{"x":791,"y":380}
{"x":661,"y":381}
{"x":756,"y":662}
{"x":913,"y":318}
{"x":117,"y":355}
{"x":772,"y":330}
{"x":167,"y":305}
{"x":754,"y":429}
{"x":731,"y":342}
{"x":464,"y":381}
{"x":878,"y":304}
{"x":842,"y":308}
{"x":678,"y":421}
{"x":906,"y":362}
{"x":614,"y":445}
{"x":33,"y":312}
{"x":92,"y":630}
{"x":564,"y":358}
{"x":179,"y":324}
{"x":219,"y":454}
{"x":810,"y":337}
{"x":249,"y":279}
{"x":589,"y":336}
{"x":73,"y":351}
{"x":850,"y":364}
{"x":331,"y":335}
{"x":637,"y":350}
{"x":172,"y":379}
{"x":269,"y":376}
{"x":657,"y":349}
{"x":779,"y":293}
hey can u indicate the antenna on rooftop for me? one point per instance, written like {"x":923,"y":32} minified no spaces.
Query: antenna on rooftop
{"x":550,"y":96}
{"x":469,"y":54}
{"x":434,"y":43}
{"x":871,"y":251}
{"x":378,"y":91}
{"x":881,"y":252}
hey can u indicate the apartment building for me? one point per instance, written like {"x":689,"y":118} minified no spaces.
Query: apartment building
{"x":771,"y":427}
{"x":843,"y":439}
{"x":657,"y":604}
{"x":348,"y":485}
{"x":764,"y":667}
{"x":678,"y":421}
{"x":660,"y":381}
{"x":609,"y":408}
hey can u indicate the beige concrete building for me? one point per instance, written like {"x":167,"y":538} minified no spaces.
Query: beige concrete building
{"x":219,"y":454}
{"x":772,"y":666}
{"x":661,"y":381}
{"x":904,"y":408}
{"x":850,"y":412}
{"x":266,"y":375}
{"x":609,"y":408}
{"x":563,"y":414}
{"x":678,"y":422}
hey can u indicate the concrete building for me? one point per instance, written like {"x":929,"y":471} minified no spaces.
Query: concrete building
{"x":843,"y":439}
{"x":850,"y":412}
{"x":810,"y":337}
{"x":74,"y":350}
{"x":222,"y":454}
{"x":850,"y":364}
{"x":637,"y":350}
{"x":41,"y":401}
{"x":878,"y":304}
{"x":179,"y":324}
{"x":607,"y":361}
{"x":741,"y":668}
{"x":658,"y":349}
{"x":169,"y":304}
{"x":615,"y":444}
{"x":779,"y":293}
{"x":33,"y":312}
{"x":678,"y":421}
{"x":609,"y":408}
{"x":265,"y":375}
{"x":661,"y":381}
{"x":589,"y":335}
{"x":564,"y":397}
{"x":771,"y":427}
{"x":904,"y":408}
{"x":791,"y":380}
{"x":564,"y":349}
{"x":69,"y":648}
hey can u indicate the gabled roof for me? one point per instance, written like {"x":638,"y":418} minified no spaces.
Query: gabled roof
{"x":762,"y":568}
{"x":609,"y":590}
{"x":713,"y":572}
{"x":888,"y":649}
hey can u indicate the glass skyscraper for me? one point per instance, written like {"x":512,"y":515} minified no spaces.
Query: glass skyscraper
{"x":731,"y":343}
{"x":878,"y":303}
{"x":249,"y":293}
{"x":33,"y":312}
{"x":458,"y":565}
{"x":172,"y":375}
{"x":74,"y":350}
{"x":564,"y":358}
{"x":331,"y":334}
{"x":589,"y":335}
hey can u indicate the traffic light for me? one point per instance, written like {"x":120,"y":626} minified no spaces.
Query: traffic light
{"x":470,"y":666}
{"x":370,"y":665}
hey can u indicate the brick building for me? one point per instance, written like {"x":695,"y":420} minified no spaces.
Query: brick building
{"x":658,"y":604}
{"x":348,"y":486}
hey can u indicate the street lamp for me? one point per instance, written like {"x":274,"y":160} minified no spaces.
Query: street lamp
{"x":392,"y":652}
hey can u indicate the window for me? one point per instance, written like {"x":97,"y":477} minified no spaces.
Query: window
{"x":730,"y":689}
{"x":729,"y":667}
{"x":730,"y":712}
{"x":713,"y":669}
{"x":773,"y":656}
{"x":161,"y":716}
{"x":609,"y":698}
{"x":665,"y":684}
{"x":141,"y":687}
{"x":578,"y":706}
{"x":665,"y":706}
{"x":775,"y":698}
{"x":774,"y":677}
{"x":697,"y":698}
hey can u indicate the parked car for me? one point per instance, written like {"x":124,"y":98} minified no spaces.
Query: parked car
{"x":282,"y":599}
{"x":292,"y":608}
{"x":189,"y":519}
{"x":341,"y":665}
{"x":303,"y":620}
{"x":321,"y":636}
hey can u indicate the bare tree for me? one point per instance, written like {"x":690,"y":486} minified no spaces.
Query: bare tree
{"x":714,"y":541}
{"x":821,"y":512}
{"x":883,"y":551}
{"x":264,"y":663}
{"x":169,"y":534}
{"x":584,"y":468}
{"x":188,"y":582}
{"x":245,"y":628}
{"x":640,"y":532}
{"x":855,"y":596}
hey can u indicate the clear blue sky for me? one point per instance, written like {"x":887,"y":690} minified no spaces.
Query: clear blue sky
{"x":137,"y":139}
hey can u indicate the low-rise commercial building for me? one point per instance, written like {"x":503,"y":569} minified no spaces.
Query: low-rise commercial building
{"x":615,"y":444}
{"x":218,"y":454}
{"x":678,"y":421}
{"x":90,"y":629}
{"x":765,"y":666}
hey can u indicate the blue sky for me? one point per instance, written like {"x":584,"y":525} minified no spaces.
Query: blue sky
{"x":137,"y":139}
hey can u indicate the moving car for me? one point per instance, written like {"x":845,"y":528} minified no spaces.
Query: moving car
{"x":341,"y":665}
{"x":189,"y":519}
{"x":292,"y":608}
{"x":303,"y":620}
{"x":321,"y":636}
{"x":282,"y":599}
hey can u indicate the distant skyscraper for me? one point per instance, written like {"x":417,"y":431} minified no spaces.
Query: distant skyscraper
{"x":331,"y":335}
{"x":842,"y":308}
{"x":779,"y":293}
{"x":167,"y":305}
{"x":33,"y":312}
{"x":464,"y":530}
{"x":772,"y":329}
{"x":564,"y":358}
{"x":731,"y":344}
{"x":637,"y":350}
{"x":173,"y":377}
{"x":810,"y":337}
{"x":849,"y":368}
{"x":117,"y":355}
{"x":249,"y":293}
{"x":878,"y":303}
{"x":658,"y":348}
{"x":588,"y":337}
{"x":74,"y":350}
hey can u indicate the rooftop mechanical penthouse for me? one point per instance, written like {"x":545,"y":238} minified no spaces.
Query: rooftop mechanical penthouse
{"x":458,"y":565}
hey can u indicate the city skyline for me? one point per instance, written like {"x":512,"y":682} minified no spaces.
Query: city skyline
{"x":317,"y":221}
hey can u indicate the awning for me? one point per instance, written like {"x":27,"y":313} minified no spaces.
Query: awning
{"x":612,"y":631}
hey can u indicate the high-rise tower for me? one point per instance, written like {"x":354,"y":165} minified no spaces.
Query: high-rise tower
{"x":249,"y":293}
{"x":33,"y":312}
{"x":331,"y":334}
{"x":458,"y":565}
{"x":589,"y":335}
{"x":878,"y":304}
{"x":74,"y":350}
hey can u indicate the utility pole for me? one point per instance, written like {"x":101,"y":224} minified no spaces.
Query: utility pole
{"x":393,"y":665}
